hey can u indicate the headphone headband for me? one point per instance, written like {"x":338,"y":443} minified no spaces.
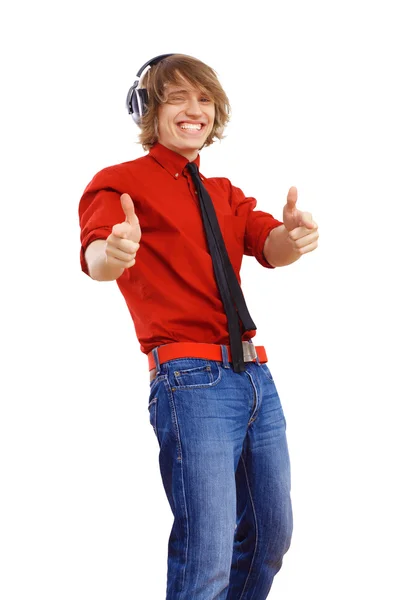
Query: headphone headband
{"x":151,"y":62}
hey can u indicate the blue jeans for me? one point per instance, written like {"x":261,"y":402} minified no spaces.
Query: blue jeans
{"x":225,"y":469}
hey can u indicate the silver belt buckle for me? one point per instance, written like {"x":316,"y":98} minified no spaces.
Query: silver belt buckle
{"x":249,"y":351}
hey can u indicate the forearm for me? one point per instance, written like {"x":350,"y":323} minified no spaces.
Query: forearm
{"x":278,"y":248}
{"x":99,"y":268}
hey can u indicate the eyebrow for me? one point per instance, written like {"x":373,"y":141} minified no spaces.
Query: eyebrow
{"x":177,"y":92}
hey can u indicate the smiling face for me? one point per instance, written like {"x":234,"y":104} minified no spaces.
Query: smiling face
{"x":185,"y":119}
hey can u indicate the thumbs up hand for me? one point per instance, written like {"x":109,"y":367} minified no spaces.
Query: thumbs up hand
{"x":303,"y":230}
{"x":123,"y":243}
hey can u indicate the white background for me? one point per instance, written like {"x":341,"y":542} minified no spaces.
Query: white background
{"x":315,"y":97}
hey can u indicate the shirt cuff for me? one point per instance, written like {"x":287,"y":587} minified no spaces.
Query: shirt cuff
{"x":101,"y":233}
{"x":260,"y":254}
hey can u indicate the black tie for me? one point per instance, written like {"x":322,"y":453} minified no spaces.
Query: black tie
{"x":228,"y":284}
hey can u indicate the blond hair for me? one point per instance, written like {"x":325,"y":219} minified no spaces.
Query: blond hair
{"x":170,"y":71}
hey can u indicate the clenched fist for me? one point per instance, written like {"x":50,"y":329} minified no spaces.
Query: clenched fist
{"x":123,"y":243}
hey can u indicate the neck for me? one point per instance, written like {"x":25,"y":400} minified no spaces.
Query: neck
{"x":189,"y":154}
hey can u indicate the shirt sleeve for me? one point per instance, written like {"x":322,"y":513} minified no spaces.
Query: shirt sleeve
{"x":100,"y":209}
{"x":259,"y":225}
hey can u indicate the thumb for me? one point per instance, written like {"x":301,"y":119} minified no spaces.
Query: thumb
{"x":128,"y":208}
{"x":292,"y":198}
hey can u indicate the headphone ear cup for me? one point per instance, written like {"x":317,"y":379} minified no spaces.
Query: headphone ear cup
{"x":129,"y":103}
{"x":142,"y":100}
{"x":136,"y":102}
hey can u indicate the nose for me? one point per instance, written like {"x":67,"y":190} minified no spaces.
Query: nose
{"x":193,"y":108}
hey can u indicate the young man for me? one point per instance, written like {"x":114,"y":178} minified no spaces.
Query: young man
{"x":214,"y":409}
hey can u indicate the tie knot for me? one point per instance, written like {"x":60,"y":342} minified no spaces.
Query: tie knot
{"x":193,"y":168}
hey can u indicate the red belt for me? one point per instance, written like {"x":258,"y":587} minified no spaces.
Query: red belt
{"x":207,"y":351}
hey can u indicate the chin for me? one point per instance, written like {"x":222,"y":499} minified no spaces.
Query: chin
{"x":195,"y":144}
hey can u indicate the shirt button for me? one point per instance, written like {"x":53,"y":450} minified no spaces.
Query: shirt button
{"x":196,"y":193}
{"x":176,"y":175}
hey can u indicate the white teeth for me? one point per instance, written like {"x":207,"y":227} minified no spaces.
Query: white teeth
{"x":191,"y":126}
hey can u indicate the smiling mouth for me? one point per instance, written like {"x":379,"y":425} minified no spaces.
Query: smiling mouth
{"x":191,"y":127}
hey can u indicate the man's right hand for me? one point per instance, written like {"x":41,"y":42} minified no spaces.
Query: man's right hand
{"x":123,"y":243}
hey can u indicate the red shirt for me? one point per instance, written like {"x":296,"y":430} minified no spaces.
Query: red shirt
{"x":171,"y":291}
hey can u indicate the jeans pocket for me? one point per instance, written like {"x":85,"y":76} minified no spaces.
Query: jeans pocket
{"x":267,"y":372}
{"x":193,"y":374}
{"x":155,"y":381}
{"x":152,"y":407}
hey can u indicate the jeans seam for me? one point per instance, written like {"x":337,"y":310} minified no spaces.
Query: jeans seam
{"x":187,"y":530}
{"x":255,"y":407}
{"x":256,"y":529}
{"x":180,"y":462}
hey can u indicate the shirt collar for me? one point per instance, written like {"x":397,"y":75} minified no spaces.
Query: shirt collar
{"x":171,"y":161}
